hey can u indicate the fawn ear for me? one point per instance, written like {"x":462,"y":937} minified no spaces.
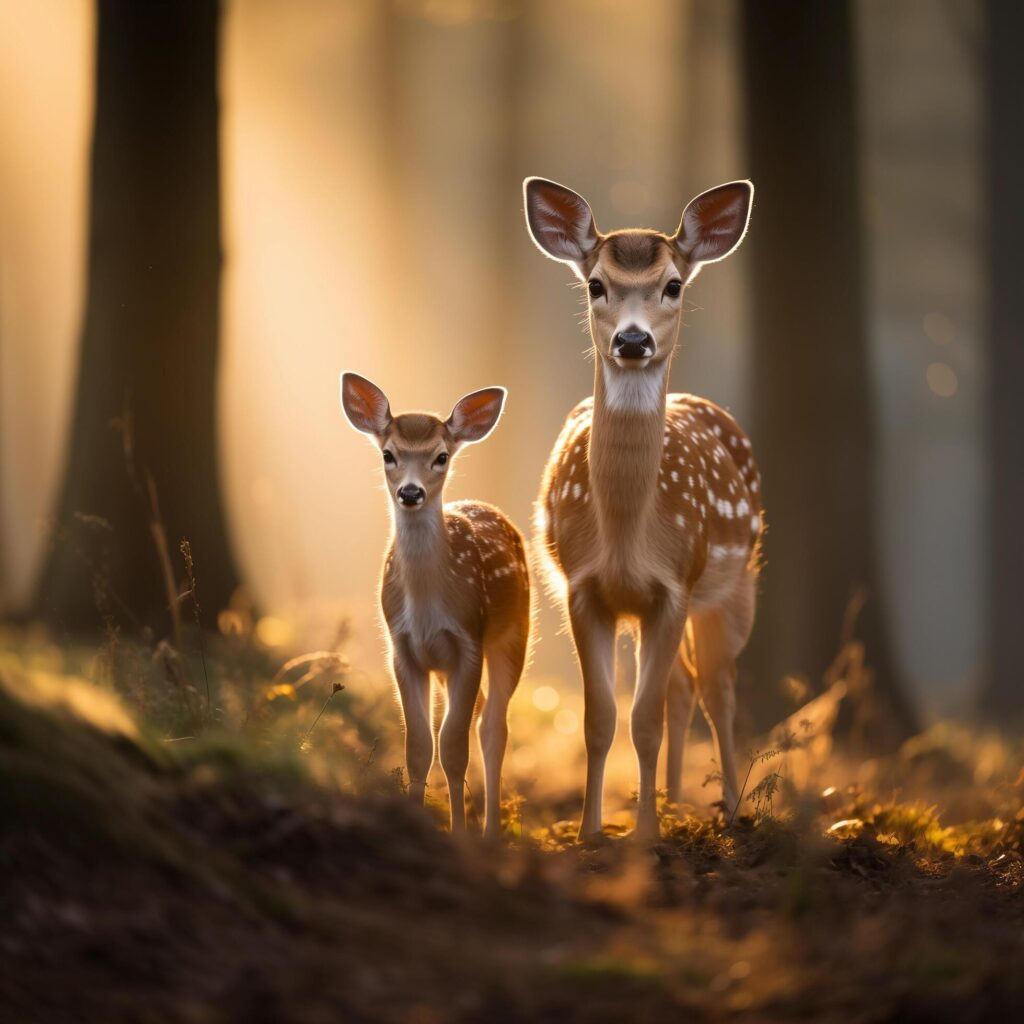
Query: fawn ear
{"x":560,"y":222}
{"x":476,"y":415}
{"x":365,"y":405}
{"x":714,"y":223}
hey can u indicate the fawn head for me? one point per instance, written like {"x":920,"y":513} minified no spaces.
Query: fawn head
{"x":417,"y":448}
{"x":635,"y":278}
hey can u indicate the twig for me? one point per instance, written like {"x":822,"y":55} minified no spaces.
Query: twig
{"x":367,"y":764}
{"x":186,"y":552}
{"x":337,"y":688}
{"x":743,"y":789}
{"x":156,"y":528}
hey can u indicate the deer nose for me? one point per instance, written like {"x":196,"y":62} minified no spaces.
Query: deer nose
{"x":633,"y":345}
{"x":410,"y":495}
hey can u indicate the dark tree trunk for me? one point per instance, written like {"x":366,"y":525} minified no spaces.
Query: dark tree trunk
{"x":1002,"y":697}
{"x":150,"y":336}
{"x":813,"y":424}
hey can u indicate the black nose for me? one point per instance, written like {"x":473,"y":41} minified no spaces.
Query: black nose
{"x":633,"y":345}
{"x":410,"y":494}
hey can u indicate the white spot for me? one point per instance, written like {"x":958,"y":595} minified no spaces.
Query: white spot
{"x":680,"y":520}
{"x":675,"y":477}
{"x":576,"y":490}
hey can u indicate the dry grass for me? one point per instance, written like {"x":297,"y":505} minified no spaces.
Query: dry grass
{"x":267,"y":866}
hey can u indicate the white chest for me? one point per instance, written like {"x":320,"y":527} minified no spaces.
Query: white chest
{"x":427,"y":627}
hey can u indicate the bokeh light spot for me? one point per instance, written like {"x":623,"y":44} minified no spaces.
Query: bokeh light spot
{"x":545,"y":698}
{"x":274,"y":632}
{"x":942,"y":379}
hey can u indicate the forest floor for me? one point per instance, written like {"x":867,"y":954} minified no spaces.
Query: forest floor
{"x":268,"y":868}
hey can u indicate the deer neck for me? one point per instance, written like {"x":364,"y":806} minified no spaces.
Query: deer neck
{"x":626,"y":442}
{"x":422,"y":553}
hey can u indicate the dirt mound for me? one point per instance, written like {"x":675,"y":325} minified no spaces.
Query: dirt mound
{"x":199,"y":882}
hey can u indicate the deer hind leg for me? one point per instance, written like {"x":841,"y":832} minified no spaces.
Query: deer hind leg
{"x":719,"y":636}
{"x":593,"y":632}
{"x":505,"y":660}
{"x":678,"y":713}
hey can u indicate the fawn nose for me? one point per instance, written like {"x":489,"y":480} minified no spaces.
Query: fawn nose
{"x":632,"y":345}
{"x":411,"y":495}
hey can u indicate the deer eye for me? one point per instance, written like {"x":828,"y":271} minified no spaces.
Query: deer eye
{"x":595,"y":288}
{"x":389,"y":459}
{"x":674,"y":289}
{"x":442,"y":459}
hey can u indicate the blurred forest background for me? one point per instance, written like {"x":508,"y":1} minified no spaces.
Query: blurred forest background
{"x":207,"y":212}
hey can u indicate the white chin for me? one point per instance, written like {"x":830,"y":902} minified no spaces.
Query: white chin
{"x":629,"y":390}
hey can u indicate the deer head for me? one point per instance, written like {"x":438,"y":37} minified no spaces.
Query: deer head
{"x":635,"y":278}
{"x":417,"y":448}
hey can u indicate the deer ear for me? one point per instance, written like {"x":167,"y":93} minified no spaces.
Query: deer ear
{"x":714,"y":223}
{"x":365,"y":405}
{"x":476,"y":415}
{"x":561,"y":223}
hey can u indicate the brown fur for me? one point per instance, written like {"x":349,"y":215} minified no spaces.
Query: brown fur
{"x":455,"y":591}
{"x":650,"y":506}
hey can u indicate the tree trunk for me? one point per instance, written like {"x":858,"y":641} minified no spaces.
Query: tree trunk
{"x":150,"y":335}
{"x":1002,"y":697}
{"x":813,"y":423}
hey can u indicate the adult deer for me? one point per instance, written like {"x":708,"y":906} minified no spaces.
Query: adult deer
{"x":650,"y":509}
{"x":455,"y":590}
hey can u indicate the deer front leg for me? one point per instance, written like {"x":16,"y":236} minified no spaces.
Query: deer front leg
{"x":414,"y":691}
{"x":463,"y":688}
{"x":661,"y":632}
{"x":593,"y":632}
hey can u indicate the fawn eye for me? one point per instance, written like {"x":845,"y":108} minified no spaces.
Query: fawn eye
{"x":442,"y":459}
{"x":674,"y":289}
{"x":389,"y":459}
{"x":595,"y":288}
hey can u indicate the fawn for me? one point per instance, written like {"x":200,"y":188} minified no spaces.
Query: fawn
{"x":455,"y":591}
{"x":649,"y":509}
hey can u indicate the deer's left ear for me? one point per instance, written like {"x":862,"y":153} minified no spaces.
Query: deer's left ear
{"x":560,"y":222}
{"x":476,"y":415}
{"x":365,"y":405}
{"x":714,"y":223}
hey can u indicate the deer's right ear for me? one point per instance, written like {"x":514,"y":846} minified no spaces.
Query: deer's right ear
{"x":365,"y":405}
{"x":561,"y":222}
